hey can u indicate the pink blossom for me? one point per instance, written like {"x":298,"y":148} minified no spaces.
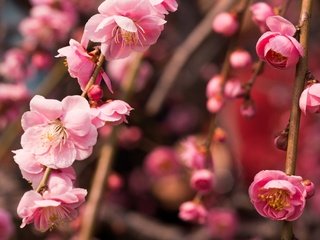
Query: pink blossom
{"x":13,"y":92}
{"x":310,"y":99}
{"x":128,"y":137}
{"x":214,"y":86}
{"x":14,"y":66}
{"x":202,"y":180}
{"x":233,"y":88}
{"x":225,"y":23}
{"x":6,"y":225}
{"x":248,"y":109}
{"x":81,"y":64}
{"x":278,"y":47}
{"x":57,"y":133}
{"x":214,"y":104}
{"x":222,"y":223}
{"x":310,"y":188}
{"x":278,"y":196}
{"x":121,"y":31}
{"x":161,"y":161}
{"x":240,"y":58}
{"x":55,"y":206}
{"x":114,"y":112}
{"x":165,"y":6}
{"x":41,"y":60}
{"x":33,"y":171}
{"x":260,"y":12}
{"x":192,"y":153}
{"x":193,"y":212}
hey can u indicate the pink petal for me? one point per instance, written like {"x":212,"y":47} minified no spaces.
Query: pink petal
{"x":50,"y":108}
{"x":77,"y":122}
{"x":281,"y":25}
{"x":125,"y":23}
{"x":262,"y":41}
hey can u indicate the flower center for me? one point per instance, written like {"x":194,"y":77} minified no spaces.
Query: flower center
{"x":276,"y":198}
{"x":276,"y":58}
{"x":127,"y":38}
{"x":55,"y":133}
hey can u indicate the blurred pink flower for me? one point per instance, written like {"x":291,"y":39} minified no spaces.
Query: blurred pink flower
{"x":121,"y":31}
{"x":114,"y":112}
{"x":225,"y":23}
{"x":278,"y":196}
{"x":13,"y":92}
{"x":214,"y":86}
{"x":214,"y":104}
{"x":260,"y":12}
{"x":240,"y":58}
{"x":192,"y":153}
{"x":278,"y":47}
{"x":161,"y":161}
{"x":193,"y":212}
{"x":128,"y":137}
{"x":57,"y":205}
{"x":165,"y":6}
{"x":57,"y":133}
{"x":41,"y":60}
{"x":202,"y":180}
{"x":222,"y":223}
{"x":81,"y":64}
{"x":14,"y":66}
{"x":233,"y":88}
{"x":6,"y":225}
{"x":310,"y":99}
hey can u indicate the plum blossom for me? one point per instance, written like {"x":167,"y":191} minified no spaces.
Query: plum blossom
{"x":202,"y":180}
{"x":225,"y":23}
{"x":240,"y":58}
{"x":33,"y":171}
{"x":260,"y":12}
{"x":56,"y":205}
{"x":114,"y":112}
{"x":58,"y":133}
{"x":310,"y":99}
{"x":233,"y":88}
{"x":214,"y":94}
{"x":193,"y":212}
{"x":192,"y":153}
{"x":165,"y":6}
{"x":81,"y":64}
{"x":123,"y":27}
{"x":6,"y":225}
{"x":278,"y":196}
{"x":278,"y":47}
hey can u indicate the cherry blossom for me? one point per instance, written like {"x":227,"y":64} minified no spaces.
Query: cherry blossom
{"x":225,"y":23}
{"x":165,"y":6}
{"x":202,"y":180}
{"x":193,"y":212}
{"x":309,"y":101}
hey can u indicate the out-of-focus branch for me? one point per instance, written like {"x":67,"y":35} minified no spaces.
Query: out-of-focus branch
{"x":181,"y":56}
{"x":294,"y":124}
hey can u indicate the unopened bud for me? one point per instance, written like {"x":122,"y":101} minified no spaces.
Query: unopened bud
{"x":309,"y":188}
{"x":281,"y":141}
{"x":95,"y":92}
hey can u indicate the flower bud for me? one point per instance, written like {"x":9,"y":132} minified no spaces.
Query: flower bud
{"x":95,"y":92}
{"x":193,"y":212}
{"x":309,"y":188}
{"x":240,"y":58}
{"x":202,"y":180}
{"x":225,"y":23}
{"x":281,"y":141}
{"x":233,"y":88}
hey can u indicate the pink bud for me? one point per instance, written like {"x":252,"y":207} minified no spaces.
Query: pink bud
{"x":225,"y":23}
{"x":193,"y":212}
{"x":219,"y":135}
{"x":310,"y":99}
{"x":247,"y":109}
{"x":115,"y":181}
{"x":260,"y":12}
{"x":240,"y":58}
{"x":233,"y":88}
{"x":281,"y":141}
{"x":309,"y":188}
{"x":95,"y":92}
{"x":41,"y":60}
{"x":214,"y":104}
{"x":214,"y":86}
{"x":202,"y":180}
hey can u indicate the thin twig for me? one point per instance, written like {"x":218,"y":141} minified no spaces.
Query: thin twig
{"x":291,"y":156}
{"x":105,"y":161}
{"x":181,"y":56}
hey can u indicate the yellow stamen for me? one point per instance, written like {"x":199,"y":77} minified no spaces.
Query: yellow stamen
{"x":276,"y":198}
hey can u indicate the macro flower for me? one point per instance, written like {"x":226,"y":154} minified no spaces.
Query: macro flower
{"x":309,"y":101}
{"x":165,"y":6}
{"x":113,"y":111}
{"x":57,"y":133}
{"x":278,"y":47}
{"x":260,"y":12}
{"x":193,"y":212}
{"x":225,"y":23}
{"x":57,"y":205}
{"x":278,"y":196}
{"x":81,"y":64}
{"x":121,"y":31}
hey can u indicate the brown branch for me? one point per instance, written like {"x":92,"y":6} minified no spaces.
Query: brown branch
{"x":291,"y":156}
{"x":105,"y":162}
{"x":181,"y":56}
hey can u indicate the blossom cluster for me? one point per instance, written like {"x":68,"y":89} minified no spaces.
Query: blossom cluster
{"x":56,"y":133}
